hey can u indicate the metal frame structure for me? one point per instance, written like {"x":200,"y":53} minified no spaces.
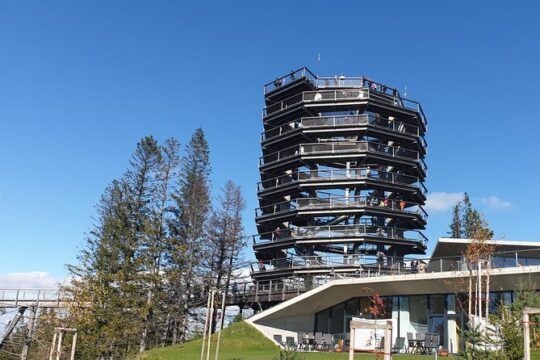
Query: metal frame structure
{"x":342,"y":173}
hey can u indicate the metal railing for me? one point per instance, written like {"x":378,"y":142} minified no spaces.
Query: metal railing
{"x":303,"y":72}
{"x":341,"y":148}
{"x":380,"y":266}
{"x":342,"y":121}
{"x":344,"y":94}
{"x":17,"y":296}
{"x":341,"y":202}
{"x":339,"y":231}
{"x":342,"y":174}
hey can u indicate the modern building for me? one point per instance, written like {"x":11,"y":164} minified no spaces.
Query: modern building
{"x":340,"y":219}
{"x":434,"y":301}
{"x":342,"y":172}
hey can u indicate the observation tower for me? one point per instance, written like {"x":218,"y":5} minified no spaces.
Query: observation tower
{"x":342,"y":173}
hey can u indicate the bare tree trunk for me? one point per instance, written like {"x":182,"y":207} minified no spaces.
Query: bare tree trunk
{"x":163,"y":340}
{"x":488,"y":270}
{"x":470,"y":292}
{"x":479,"y":289}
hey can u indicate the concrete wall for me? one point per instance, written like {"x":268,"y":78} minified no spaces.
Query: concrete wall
{"x":288,"y":326}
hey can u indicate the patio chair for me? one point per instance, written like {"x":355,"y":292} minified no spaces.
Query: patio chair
{"x":290,"y":344}
{"x":428,"y":344}
{"x":301,"y":340}
{"x":380,"y":346}
{"x":328,"y":342}
{"x":318,"y":341}
{"x":410,"y":342}
{"x":399,"y":345}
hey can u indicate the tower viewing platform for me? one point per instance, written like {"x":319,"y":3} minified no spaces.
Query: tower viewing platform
{"x":342,"y":178}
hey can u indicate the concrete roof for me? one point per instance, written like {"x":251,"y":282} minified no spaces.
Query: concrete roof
{"x":338,"y":291}
{"x":455,"y":247}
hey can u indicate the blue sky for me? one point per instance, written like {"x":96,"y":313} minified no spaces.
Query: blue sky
{"x":82,"y":81}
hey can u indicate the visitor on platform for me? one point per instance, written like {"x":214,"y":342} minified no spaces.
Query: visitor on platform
{"x":276,"y":234}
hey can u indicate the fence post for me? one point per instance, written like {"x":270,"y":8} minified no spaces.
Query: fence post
{"x":270,"y":291}
{"x":256,"y":291}
{"x":440,"y":261}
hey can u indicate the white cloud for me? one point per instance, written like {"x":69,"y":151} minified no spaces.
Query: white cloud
{"x":496,"y":203}
{"x":442,"y":201}
{"x":34,"y":279}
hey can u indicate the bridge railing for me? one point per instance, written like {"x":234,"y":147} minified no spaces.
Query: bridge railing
{"x":30,"y":295}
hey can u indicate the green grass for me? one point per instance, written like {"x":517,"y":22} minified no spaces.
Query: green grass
{"x":242,"y":341}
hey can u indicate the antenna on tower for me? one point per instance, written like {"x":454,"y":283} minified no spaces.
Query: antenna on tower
{"x":405,"y":92}
{"x":318,"y":63}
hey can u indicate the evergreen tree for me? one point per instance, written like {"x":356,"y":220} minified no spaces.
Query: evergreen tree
{"x":111,"y":278}
{"x":226,"y":239}
{"x":191,"y":205}
{"x":468,"y":222}
{"x":455,"y":225}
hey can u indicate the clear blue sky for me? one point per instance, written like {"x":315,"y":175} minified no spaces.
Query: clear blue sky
{"x":82,"y":81}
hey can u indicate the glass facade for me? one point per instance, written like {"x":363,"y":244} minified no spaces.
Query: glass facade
{"x":416,"y":315}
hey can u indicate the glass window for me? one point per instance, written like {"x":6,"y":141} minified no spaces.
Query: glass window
{"x":436,"y":304}
{"x":418,"y":314}
{"x":323,"y":320}
{"x":351,"y":307}
{"x":338,"y":314}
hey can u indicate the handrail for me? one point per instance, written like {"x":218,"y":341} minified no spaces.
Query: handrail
{"x":337,"y":231}
{"x":404,"y":264}
{"x":303,"y":72}
{"x":345,"y":94}
{"x":337,"y":202}
{"x":341,"y":147}
{"x":341,"y":174}
{"x":342,"y":121}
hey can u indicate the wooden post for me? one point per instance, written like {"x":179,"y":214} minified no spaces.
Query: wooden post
{"x":53,"y":346}
{"x":59,"y":347}
{"x":221,"y":327}
{"x":210,"y":325}
{"x":73,"y":346}
{"x":351,"y":343}
{"x":526,"y":339}
{"x":205,"y":326}
{"x":388,"y":340}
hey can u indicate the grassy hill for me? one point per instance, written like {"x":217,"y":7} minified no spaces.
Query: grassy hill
{"x":242,"y":341}
{"x":238,"y":341}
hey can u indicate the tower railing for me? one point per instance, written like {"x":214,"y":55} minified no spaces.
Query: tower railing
{"x":303,"y":72}
{"x":342,"y":121}
{"x":364,"y":173}
{"x":345,"y":94}
{"x":337,"y":232}
{"x":341,"y":202}
{"x":343,"y":147}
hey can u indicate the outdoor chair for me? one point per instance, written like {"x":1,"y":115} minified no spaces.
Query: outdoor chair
{"x":399,"y":345}
{"x":410,"y":343}
{"x":432,"y":345}
{"x":290,"y":344}
{"x":301,"y":340}
{"x":328,"y":343}
{"x":380,"y":346}
{"x":318,"y":341}
{"x":428,"y":344}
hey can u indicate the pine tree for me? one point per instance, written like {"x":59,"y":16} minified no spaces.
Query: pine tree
{"x":226,"y":239}
{"x":111,"y":278}
{"x":191,"y":205}
{"x":455,"y":225}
